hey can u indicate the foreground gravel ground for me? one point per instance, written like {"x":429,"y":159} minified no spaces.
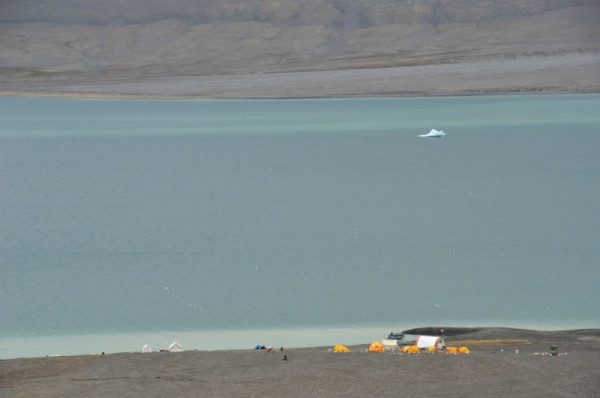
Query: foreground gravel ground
{"x":493,"y":369}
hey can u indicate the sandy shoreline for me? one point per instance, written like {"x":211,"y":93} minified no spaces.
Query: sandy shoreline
{"x":492,"y":369}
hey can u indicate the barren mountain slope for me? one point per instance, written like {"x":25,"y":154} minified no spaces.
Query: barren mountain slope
{"x":77,"y":46}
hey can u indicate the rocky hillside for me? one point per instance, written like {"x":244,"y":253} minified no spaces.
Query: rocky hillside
{"x":110,"y":39}
{"x":348,"y":14}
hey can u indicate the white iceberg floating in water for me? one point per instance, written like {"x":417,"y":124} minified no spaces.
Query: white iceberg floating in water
{"x":434,"y":133}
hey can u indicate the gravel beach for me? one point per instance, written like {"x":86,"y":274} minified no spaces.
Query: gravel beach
{"x":492,"y":369}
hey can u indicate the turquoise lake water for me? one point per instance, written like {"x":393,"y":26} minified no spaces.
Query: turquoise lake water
{"x":230,"y":223}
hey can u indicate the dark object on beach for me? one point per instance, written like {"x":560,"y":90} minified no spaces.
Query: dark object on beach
{"x":284,"y":358}
{"x":395,"y":336}
{"x":553,"y":350}
{"x":437,"y":331}
{"x":281,"y":349}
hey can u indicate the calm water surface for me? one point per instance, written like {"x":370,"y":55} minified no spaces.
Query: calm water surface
{"x":225,"y":224}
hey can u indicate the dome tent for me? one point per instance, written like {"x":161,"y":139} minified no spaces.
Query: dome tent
{"x":341,"y":348}
{"x":456,"y":350}
{"x":377,"y":347}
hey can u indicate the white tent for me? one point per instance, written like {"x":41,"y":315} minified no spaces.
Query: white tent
{"x":147,"y":348}
{"x":430,"y":341}
{"x":175,"y":347}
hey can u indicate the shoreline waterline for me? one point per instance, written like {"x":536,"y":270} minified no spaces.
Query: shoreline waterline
{"x":217,"y":340}
{"x":184,"y":97}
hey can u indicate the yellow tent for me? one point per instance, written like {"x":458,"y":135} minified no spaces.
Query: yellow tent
{"x":431,"y":350}
{"x":376,"y":347}
{"x":413,"y":349}
{"x":341,"y":348}
{"x":464,"y":350}
{"x":452,"y":350}
{"x":405,"y":348}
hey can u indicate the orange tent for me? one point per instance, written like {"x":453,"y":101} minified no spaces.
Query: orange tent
{"x":431,"y":350}
{"x":376,"y":347}
{"x":405,"y":348}
{"x":464,"y":350}
{"x":452,"y":350}
{"x":414,"y":350}
{"x":341,"y":348}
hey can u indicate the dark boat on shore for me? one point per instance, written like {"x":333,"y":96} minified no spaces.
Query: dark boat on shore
{"x":396,"y":336}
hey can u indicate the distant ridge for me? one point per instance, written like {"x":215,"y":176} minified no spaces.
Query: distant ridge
{"x":144,"y":48}
{"x":350,"y":14}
